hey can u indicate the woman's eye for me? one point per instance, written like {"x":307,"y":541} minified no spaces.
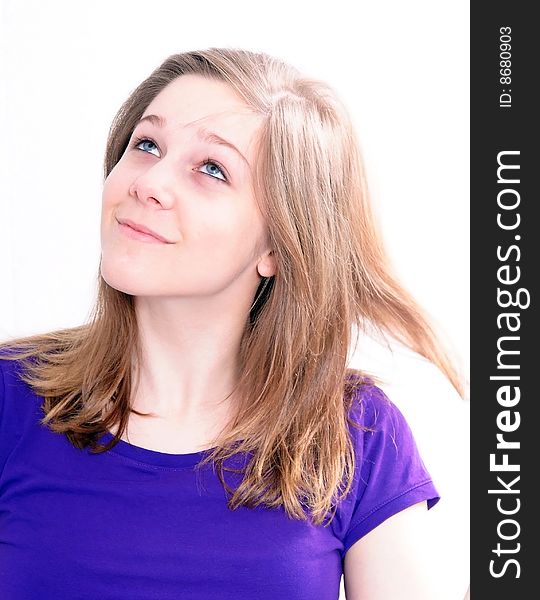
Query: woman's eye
{"x":213,"y":169}
{"x":209,"y":167}
{"x":145,"y":145}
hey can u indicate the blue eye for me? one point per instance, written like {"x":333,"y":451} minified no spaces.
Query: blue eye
{"x":140,"y":141}
{"x":214,"y":169}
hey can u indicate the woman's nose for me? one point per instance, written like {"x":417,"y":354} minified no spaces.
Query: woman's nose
{"x":153,"y":187}
{"x":136,"y":191}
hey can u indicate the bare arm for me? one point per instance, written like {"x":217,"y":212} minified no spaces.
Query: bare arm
{"x":399,"y":559}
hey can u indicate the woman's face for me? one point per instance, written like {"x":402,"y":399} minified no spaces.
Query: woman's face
{"x":179,"y":178}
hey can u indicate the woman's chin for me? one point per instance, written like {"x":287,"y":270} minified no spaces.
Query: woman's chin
{"x":126,"y":282}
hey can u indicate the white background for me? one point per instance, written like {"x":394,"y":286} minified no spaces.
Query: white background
{"x":401,"y":68}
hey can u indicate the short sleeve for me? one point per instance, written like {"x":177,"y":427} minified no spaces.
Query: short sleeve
{"x":11,"y":417}
{"x":390,"y":474}
{"x":3,"y":419}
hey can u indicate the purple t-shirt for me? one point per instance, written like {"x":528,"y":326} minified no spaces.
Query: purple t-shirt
{"x":139,"y":524}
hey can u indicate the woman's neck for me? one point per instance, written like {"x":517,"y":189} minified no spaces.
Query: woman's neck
{"x":189,"y":361}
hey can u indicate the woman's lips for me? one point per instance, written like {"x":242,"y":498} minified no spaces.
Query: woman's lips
{"x":139,"y":232}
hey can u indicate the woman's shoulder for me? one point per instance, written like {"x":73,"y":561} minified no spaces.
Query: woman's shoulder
{"x":11,"y":368}
{"x":20,"y":407}
{"x":18,"y":403}
{"x":8,"y":368}
{"x":370,"y":407}
{"x":389,"y":474}
{"x":380,"y":432}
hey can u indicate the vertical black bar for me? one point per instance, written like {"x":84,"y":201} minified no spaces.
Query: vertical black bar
{"x":504,"y":300}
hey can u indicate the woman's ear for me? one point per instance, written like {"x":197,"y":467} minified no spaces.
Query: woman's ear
{"x":267,"y":264}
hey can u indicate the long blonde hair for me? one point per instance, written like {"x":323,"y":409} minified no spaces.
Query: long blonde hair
{"x":295,"y":390}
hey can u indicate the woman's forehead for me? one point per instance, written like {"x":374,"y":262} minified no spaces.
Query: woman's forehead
{"x":190,"y":98}
{"x":196,"y":103}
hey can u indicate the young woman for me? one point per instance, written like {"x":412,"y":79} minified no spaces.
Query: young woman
{"x":202,"y":437}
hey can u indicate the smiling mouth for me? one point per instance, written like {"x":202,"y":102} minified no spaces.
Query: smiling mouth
{"x":141,"y":236}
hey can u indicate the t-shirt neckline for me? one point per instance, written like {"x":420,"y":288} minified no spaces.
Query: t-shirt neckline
{"x":153,"y":457}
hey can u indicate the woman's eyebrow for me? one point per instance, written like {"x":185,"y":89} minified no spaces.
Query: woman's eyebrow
{"x":201,"y":132}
